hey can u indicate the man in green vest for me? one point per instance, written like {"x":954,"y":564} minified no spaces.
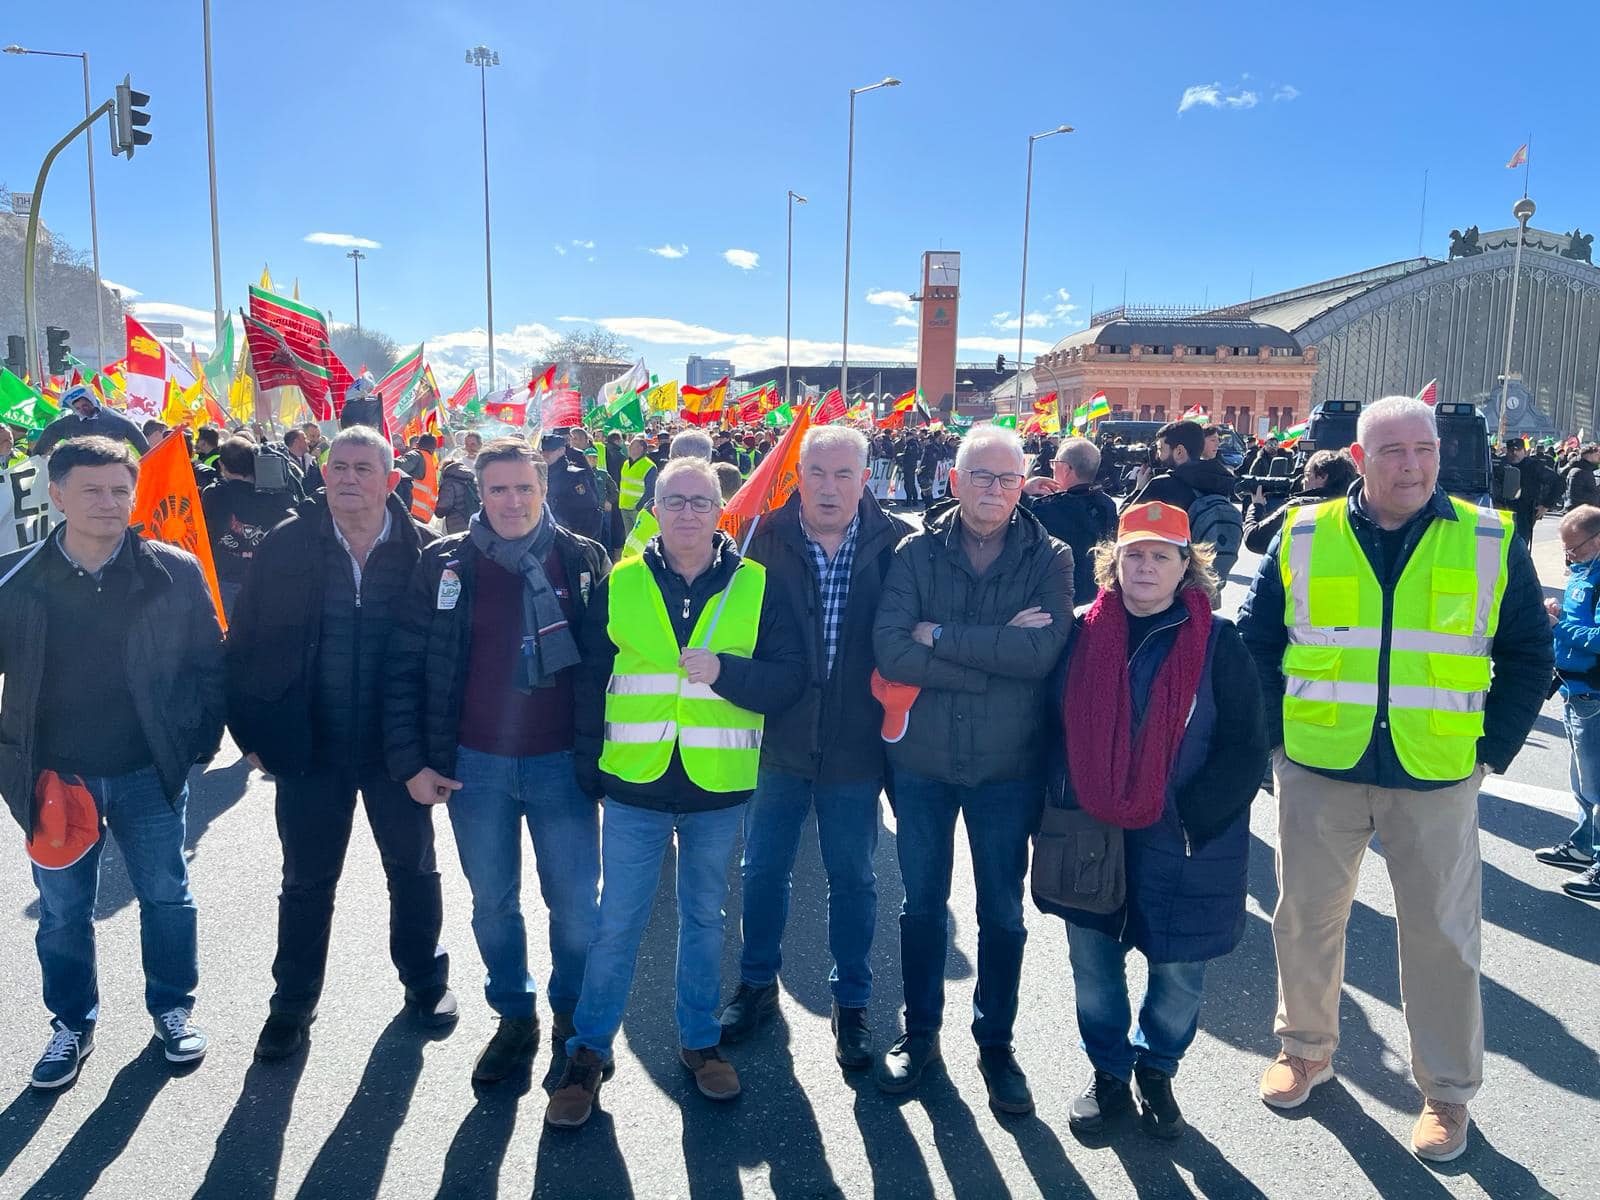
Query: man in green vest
{"x":637,"y":483}
{"x":684,"y":651}
{"x":1404,"y":654}
{"x":690,"y":443}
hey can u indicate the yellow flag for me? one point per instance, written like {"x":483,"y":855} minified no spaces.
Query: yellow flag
{"x":172,"y":411}
{"x":266,"y":278}
{"x":290,"y":401}
{"x":663,"y":397}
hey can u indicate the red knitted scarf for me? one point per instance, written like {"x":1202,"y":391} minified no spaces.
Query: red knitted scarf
{"x":1118,"y":776}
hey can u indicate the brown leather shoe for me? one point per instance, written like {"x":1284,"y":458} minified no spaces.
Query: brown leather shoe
{"x":713,"y":1074}
{"x":574,"y":1097}
{"x":1441,"y":1131}
{"x":1289,"y":1080}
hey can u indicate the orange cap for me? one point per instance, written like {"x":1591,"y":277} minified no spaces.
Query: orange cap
{"x":897,"y":699}
{"x":68,"y":822}
{"x":1154,"y":522}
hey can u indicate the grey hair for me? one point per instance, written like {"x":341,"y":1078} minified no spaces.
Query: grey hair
{"x":1081,"y":456}
{"x":989,"y":435}
{"x":1392,"y":408}
{"x":691,"y":443}
{"x":700,"y":468}
{"x":365,"y":435}
{"x":835,"y":437}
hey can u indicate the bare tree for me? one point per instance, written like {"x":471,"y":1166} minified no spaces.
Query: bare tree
{"x":371,"y":348}
{"x":590,"y":357}
{"x":64,"y":288}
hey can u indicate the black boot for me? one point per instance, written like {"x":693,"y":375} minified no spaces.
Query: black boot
{"x":1159,"y":1115}
{"x":902,"y":1067}
{"x":1008,"y":1086}
{"x":513,"y":1046}
{"x":749,"y":1007}
{"x":282,"y":1035}
{"x":1105,"y":1099}
{"x":852,"y":1040}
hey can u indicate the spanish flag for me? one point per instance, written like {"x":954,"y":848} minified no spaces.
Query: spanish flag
{"x":703,"y":406}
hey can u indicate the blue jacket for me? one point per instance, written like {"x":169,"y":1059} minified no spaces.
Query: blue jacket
{"x":1577,"y":633}
{"x":1187,"y":872}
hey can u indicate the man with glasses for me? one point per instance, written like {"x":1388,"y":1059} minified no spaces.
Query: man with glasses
{"x":1577,"y":638}
{"x":975,"y":611}
{"x":684,"y":650}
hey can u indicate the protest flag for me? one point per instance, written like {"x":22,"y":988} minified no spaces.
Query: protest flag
{"x":166,"y":508}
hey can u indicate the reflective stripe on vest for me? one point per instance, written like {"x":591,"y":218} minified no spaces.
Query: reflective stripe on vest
{"x":631,"y":488}
{"x":650,"y":707}
{"x":1444,"y":612}
{"x":644,"y":528}
{"x":425,"y":491}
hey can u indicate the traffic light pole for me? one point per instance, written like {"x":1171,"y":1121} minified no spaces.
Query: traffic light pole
{"x":29,"y":320}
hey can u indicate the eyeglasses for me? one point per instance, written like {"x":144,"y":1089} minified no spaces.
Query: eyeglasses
{"x":676,"y":504}
{"x":1572,"y":554}
{"x":984,"y":480}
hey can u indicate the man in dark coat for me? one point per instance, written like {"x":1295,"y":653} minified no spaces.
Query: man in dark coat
{"x":574,"y":493}
{"x":975,"y":610}
{"x":239,"y":516}
{"x":1073,"y":509}
{"x":826,"y":552}
{"x":911,"y":466}
{"x":1583,"y":487}
{"x":82,"y":415}
{"x":112,"y":659}
{"x":306,"y":661}
{"x":1539,"y":490}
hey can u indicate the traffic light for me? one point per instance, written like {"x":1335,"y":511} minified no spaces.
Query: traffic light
{"x":55,"y":339}
{"x":131,"y":119}
{"x":17,"y":355}
{"x":1000,"y":362}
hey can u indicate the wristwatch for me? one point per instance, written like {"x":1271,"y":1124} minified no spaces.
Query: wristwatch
{"x":937,"y":630}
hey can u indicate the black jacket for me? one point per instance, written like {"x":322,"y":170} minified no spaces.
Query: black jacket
{"x":277,"y":649}
{"x":1522,"y":654}
{"x":980,"y":715}
{"x":174,"y":663}
{"x":458,"y":496}
{"x":104,"y":422}
{"x":1583,"y":486}
{"x":429,"y":648}
{"x":1263,"y":521}
{"x":831,"y":734}
{"x":1081,"y":516}
{"x":767,"y":682}
{"x":1185,"y":483}
{"x":366,"y":410}
{"x":238,"y":519}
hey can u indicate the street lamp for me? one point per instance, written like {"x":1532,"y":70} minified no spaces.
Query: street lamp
{"x":849,"y":183}
{"x":94,"y":221}
{"x":1523,"y":211}
{"x":1027,"y":210}
{"x":221,"y":314}
{"x":788,"y":292}
{"x":356,"y":256}
{"x":483,"y":58}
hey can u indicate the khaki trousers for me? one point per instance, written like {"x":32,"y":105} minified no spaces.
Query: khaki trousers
{"x":1430,"y":845}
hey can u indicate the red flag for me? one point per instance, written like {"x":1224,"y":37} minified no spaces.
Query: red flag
{"x":166,"y":507}
{"x":703,"y":406}
{"x":465,"y":394}
{"x":277,"y":365}
{"x":1429,"y":394}
{"x":339,"y":381}
{"x":1045,"y":403}
{"x":563,"y":408}
{"x":509,"y":405}
{"x":545,"y":382}
{"x":831,"y":409}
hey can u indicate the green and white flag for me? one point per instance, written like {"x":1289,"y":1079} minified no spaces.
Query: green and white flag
{"x":23,"y":407}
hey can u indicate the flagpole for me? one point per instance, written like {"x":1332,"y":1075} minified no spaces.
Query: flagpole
{"x":211,"y":168}
{"x":483,"y":58}
{"x":849,"y":191}
{"x":1523,"y":210}
{"x":1422,"y":222}
{"x":1027,"y":212}
{"x":788,"y":296}
{"x":1527,"y":166}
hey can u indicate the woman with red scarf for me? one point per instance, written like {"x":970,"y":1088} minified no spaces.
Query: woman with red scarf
{"x":1164,"y":737}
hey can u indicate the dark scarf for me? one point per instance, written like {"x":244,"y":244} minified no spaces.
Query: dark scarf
{"x":547,"y":642}
{"x":1120,"y":775}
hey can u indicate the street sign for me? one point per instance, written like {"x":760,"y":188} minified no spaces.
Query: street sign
{"x":165,"y":329}
{"x":22,"y":203}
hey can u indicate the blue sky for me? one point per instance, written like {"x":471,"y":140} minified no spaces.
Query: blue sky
{"x":643,"y":126}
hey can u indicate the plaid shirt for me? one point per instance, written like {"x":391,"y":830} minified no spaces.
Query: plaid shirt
{"x":833,"y":581}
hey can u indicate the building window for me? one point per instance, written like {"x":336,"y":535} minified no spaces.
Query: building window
{"x":1161,"y":413}
{"x":1144,"y":412}
{"x":1228,"y":415}
{"x":1244,"y":425}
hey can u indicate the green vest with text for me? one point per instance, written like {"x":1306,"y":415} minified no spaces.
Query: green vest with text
{"x":1444,"y":611}
{"x":631,"y":490}
{"x":651,"y":707}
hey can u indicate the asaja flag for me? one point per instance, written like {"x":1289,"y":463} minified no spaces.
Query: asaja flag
{"x":1429,"y":394}
{"x":166,"y":508}
{"x":398,"y":389}
{"x":1009,"y":421}
{"x":771,"y":483}
{"x":635,"y":379}
{"x":1519,"y":158}
{"x":22,"y":406}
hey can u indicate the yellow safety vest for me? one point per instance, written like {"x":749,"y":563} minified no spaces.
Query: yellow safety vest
{"x":1444,"y":613}
{"x":645,"y":527}
{"x":425,"y":491}
{"x":631,"y":492}
{"x":651,"y":707}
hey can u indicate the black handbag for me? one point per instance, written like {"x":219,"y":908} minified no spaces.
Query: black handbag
{"x":1078,"y":862}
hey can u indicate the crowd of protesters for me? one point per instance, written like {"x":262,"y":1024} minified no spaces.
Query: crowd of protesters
{"x":558,"y":634}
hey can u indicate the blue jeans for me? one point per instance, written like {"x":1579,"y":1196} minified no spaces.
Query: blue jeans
{"x":149,"y":830}
{"x":635,"y":842}
{"x":847,"y":831}
{"x":497,"y":794}
{"x":1168,"y":1015}
{"x":1583,"y":732}
{"x":1000,"y":818}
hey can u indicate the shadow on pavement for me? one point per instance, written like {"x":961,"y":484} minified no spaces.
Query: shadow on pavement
{"x":249,"y":1150}
{"x":472,"y":1164}
{"x":105,"y":1133}
{"x":22,"y":1119}
{"x":1152,"y":1166}
{"x":585,"y":1162}
{"x":355,"y":1156}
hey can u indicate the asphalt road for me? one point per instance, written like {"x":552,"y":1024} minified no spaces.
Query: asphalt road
{"x":378,"y":1108}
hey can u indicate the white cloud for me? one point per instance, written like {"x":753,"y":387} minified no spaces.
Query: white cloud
{"x":745,"y":260}
{"x":123,"y":289}
{"x":516,"y":351}
{"x":583,"y":243}
{"x":199,"y":324}
{"x":1286,"y":91}
{"x":1006,"y":346}
{"x":669,"y":251}
{"x":888,"y":298}
{"x":559,"y":248}
{"x":1214,"y":95}
{"x":347,"y":240}
{"x":902,"y":319}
